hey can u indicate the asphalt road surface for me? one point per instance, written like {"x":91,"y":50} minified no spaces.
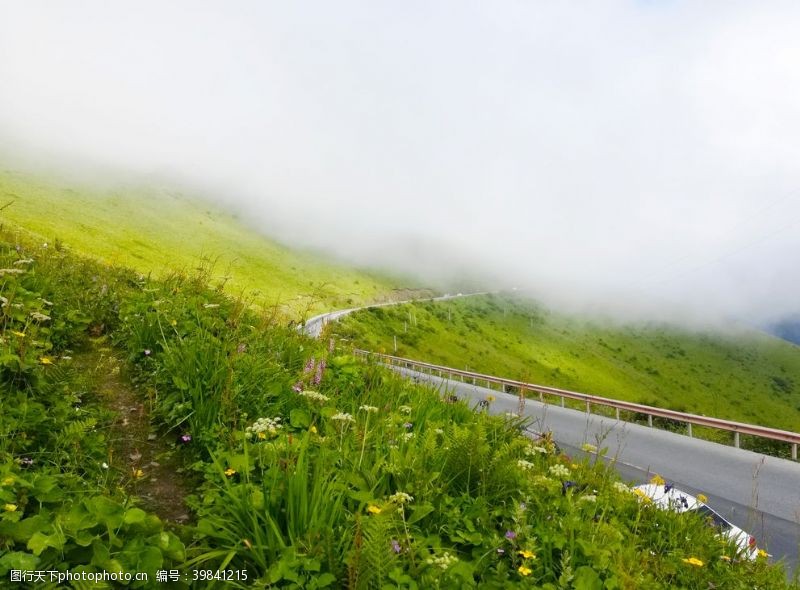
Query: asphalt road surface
{"x":757,"y":493}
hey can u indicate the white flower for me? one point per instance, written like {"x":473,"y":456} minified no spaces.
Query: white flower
{"x":369,"y":409}
{"x":22,"y":261}
{"x":40,"y":317}
{"x":439,"y":431}
{"x":621,"y":487}
{"x":401,"y":498}
{"x":559,"y":470}
{"x":343,"y":417}
{"x":104,"y":465}
{"x":11,"y":271}
{"x":210,"y":305}
{"x":405,"y":409}
{"x":444,"y":561}
{"x":314,"y":396}
{"x":535,"y":449}
{"x":589,"y":448}
{"x":407,"y":436}
{"x":264,"y":426}
{"x":525,"y":465}
{"x":588,"y":498}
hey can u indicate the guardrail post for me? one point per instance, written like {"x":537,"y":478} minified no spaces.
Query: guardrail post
{"x":541,"y":397}
{"x":689,"y":424}
{"x":794,"y":451}
{"x":504,"y":387}
{"x":563,"y":403}
{"x":650,"y":420}
{"x":736,"y":439}
{"x":617,"y":413}
{"x":588,"y":409}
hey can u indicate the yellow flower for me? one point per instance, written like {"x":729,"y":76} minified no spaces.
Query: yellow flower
{"x":313,"y":430}
{"x":230,"y":472}
{"x":702,"y":498}
{"x":589,"y":448}
{"x":137,"y":473}
{"x":262,"y":435}
{"x":527,"y":554}
{"x":693,"y":561}
{"x":8,"y":481}
{"x":490,"y":398}
{"x":644,"y":497}
{"x":372,"y":509}
{"x":10,"y":507}
{"x":20,"y":334}
{"x":762,"y":553}
{"x":657,"y":480}
{"x":174,"y":323}
{"x":524,"y":571}
{"x":45,"y":360}
{"x":724,"y":558}
{"x":574,"y":465}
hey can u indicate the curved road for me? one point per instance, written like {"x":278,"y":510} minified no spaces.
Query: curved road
{"x":758,"y":493}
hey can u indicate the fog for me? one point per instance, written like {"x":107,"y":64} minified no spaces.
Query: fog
{"x":619,"y":157}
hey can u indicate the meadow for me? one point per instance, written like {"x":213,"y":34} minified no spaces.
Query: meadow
{"x":154,"y":230}
{"x":161,"y":424}
{"x":738,"y":374}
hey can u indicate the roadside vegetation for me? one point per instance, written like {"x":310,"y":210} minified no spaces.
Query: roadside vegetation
{"x":296,"y":463}
{"x":741,"y":375}
{"x":150,"y":230}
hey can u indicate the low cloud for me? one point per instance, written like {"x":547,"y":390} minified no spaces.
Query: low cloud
{"x":624,"y":157}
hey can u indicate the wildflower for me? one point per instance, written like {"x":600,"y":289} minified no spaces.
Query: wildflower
{"x":210,"y":305}
{"x":589,"y":448}
{"x":500,"y":551}
{"x":10,"y":507}
{"x":725,"y":558}
{"x":396,"y":546}
{"x":762,"y":553}
{"x":621,"y":487}
{"x":104,"y":465}
{"x":186,"y":438}
{"x":314,"y":396}
{"x":407,"y":425}
{"x":490,"y":398}
{"x":40,"y":317}
{"x":524,"y":571}
{"x":18,"y":334}
{"x":702,"y":498}
{"x":230,"y":472}
{"x":559,"y":471}
{"x":309,"y":366}
{"x":567,"y":485}
{"x":525,"y":465}
{"x":46,"y":302}
{"x":318,"y":374}
{"x":11,"y":271}
{"x":443,"y":561}
{"x":372,"y":509}
{"x":588,"y":498}
{"x":439,"y":431}
{"x":693,"y":561}
{"x":22,"y":261}
{"x":522,"y":505}
{"x":407,"y":436}
{"x":368,"y":409}
{"x":404,"y":409}
{"x":146,"y":352}
{"x":657,"y":480}
{"x":173,"y":323}
{"x":401,"y":498}
{"x":264,"y":426}
{"x":313,"y":429}
{"x":535,"y":449}
{"x":343,"y":417}
{"x":527,"y":554}
{"x":644,"y":497}
{"x":46,"y":360}
{"x":8,"y":481}
{"x":510,"y":535}
{"x":297,"y":387}
{"x":138,"y":473}
{"x":25,"y":461}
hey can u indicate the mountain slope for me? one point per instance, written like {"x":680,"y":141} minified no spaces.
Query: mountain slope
{"x":154,"y":230}
{"x":747,"y":376}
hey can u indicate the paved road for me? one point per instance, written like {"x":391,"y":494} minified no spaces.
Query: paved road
{"x":760,"y":494}
{"x":313,"y":327}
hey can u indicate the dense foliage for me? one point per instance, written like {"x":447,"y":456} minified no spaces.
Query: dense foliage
{"x":313,"y":469}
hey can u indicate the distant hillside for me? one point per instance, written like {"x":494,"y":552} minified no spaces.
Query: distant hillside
{"x":788,"y":329}
{"x":749,"y":376}
{"x":154,"y":230}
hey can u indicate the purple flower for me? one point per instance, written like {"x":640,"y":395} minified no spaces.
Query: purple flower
{"x":667,"y":488}
{"x":407,"y":425}
{"x":396,"y":546}
{"x":511,"y":535}
{"x":146,"y":352}
{"x":297,"y":387}
{"x":186,"y":438}
{"x":320,"y":370}
{"x":309,"y":368}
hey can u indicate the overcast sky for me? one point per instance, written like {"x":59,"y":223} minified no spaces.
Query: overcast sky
{"x":618,"y":155}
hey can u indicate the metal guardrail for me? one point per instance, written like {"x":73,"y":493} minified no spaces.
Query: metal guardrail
{"x":737,"y":428}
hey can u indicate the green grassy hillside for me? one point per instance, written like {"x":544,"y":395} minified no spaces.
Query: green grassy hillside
{"x":152,"y":230}
{"x":747,"y":376}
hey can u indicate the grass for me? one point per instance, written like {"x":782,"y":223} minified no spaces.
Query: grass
{"x":152,"y":230}
{"x":743,"y":375}
{"x":311,"y":469}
